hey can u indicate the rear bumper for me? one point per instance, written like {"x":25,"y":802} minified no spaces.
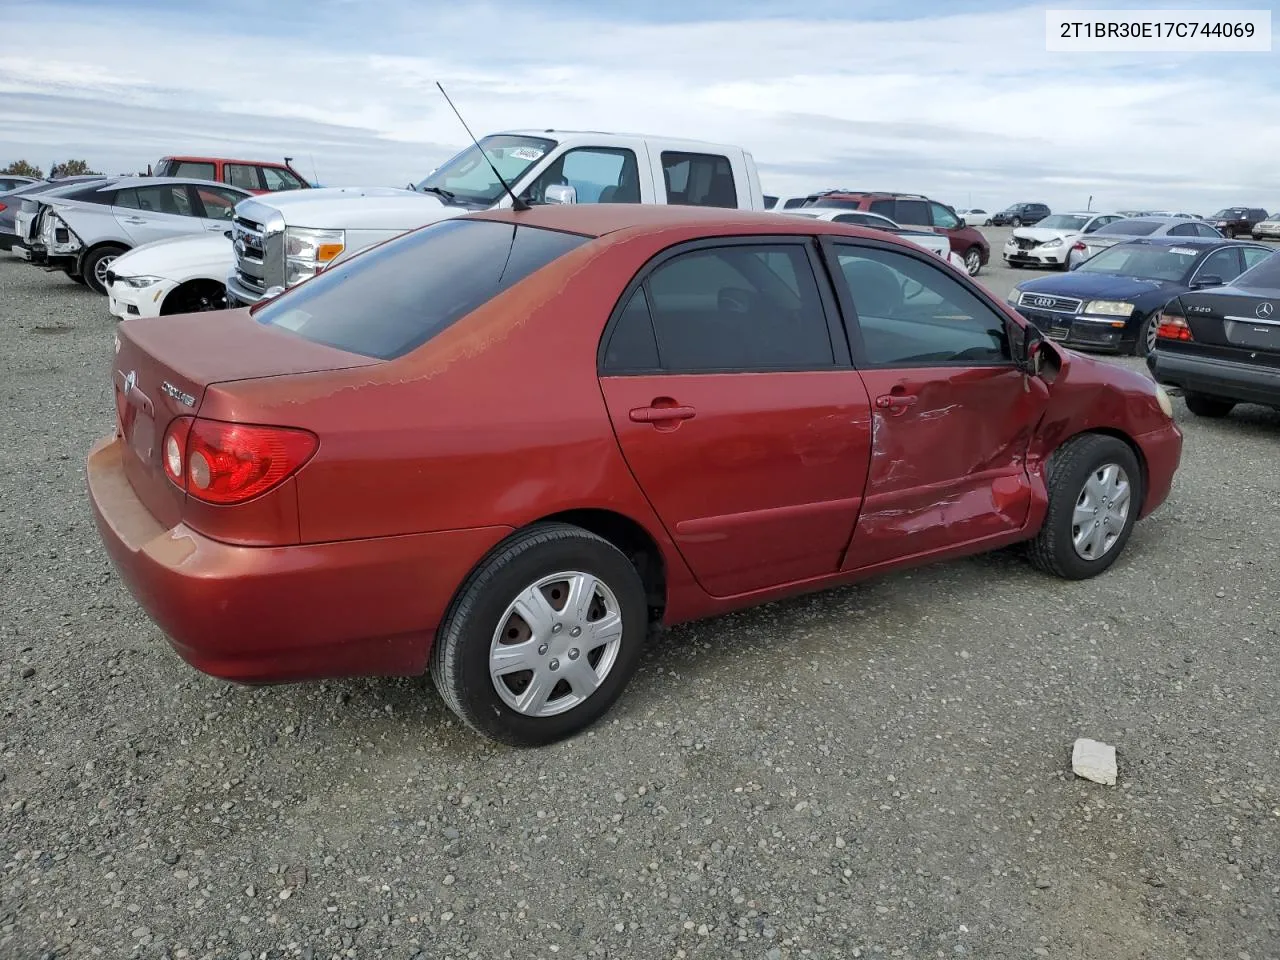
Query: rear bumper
{"x":277,"y":614}
{"x":1229,"y":379}
{"x":1162,"y":451}
{"x":32,"y":254}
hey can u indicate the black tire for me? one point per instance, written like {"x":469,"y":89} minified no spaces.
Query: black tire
{"x":1140,"y":346}
{"x":973,"y":254}
{"x":1204,"y":405}
{"x":90,"y":267}
{"x":1052,"y":550}
{"x":74,"y":276}
{"x":1015,"y":222}
{"x":460,"y":657}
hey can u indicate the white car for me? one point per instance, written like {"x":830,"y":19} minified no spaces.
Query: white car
{"x":179,"y":275}
{"x":937,"y":243}
{"x":977,"y":217}
{"x":1049,"y":242}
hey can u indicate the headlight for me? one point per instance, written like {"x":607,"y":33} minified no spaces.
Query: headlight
{"x":1162,"y":398}
{"x":1055,"y":242}
{"x":1109,"y":308}
{"x":138,"y":282}
{"x":1014,"y":297}
{"x":313,"y":246}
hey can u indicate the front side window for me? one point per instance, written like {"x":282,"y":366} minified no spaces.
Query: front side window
{"x":218,"y":204}
{"x":1223,"y":264}
{"x":467,"y":178}
{"x":597,"y":175}
{"x":942,"y":217}
{"x":421,"y":282}
{"x":910,"y":313}
{"x":699,"y":179}
{"x":278,"y":178}
{"x":737,"y":308}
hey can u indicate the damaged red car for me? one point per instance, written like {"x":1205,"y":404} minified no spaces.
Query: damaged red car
{"x":501,"y":447}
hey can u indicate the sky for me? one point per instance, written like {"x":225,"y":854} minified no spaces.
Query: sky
{"x":957,"y":99}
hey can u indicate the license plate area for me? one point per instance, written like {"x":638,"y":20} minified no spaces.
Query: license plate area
{"x":1252,"y":336}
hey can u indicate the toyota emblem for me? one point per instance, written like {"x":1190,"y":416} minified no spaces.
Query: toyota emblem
{"x":1264,"y":310}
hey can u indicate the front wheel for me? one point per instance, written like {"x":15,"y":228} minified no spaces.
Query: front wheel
{"x":543,"y":636}
{"x":1095,"y":493}
{"x":95,"y":267}
{"x":973,"y":261}
{"x":1145,"y":341}
{"x":1015,"y":222}
{"x":1204,"y":405}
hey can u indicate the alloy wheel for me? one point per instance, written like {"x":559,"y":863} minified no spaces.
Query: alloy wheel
{"x":1101,"y":511}
{"x":100,"y":269}
{"x":555,"y":644}
{"x":973,"y":262}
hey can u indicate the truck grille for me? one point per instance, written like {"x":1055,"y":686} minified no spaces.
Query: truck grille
{"x":250,"y":251}
{"x":1044,"y":301}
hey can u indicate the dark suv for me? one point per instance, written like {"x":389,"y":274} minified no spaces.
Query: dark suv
{"x":1238,"y":221}
{"x":914,"y":210}
{"x":1020,"y":215}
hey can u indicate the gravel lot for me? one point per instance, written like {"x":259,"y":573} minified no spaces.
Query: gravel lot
{"x":877,"y":771}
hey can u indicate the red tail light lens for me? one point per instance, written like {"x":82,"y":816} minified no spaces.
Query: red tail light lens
{"x":226,"y":463}
{"x":3,"y":207}
{"x":1170,"y":326}
{"x":1079,"y":246}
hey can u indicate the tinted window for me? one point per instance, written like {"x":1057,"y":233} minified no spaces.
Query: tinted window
{"x":863,"y":219}
{"x":396,"y":296}
{"x":1143,"y":261}
{"x":277,"y":178}
{"x":1224,"y":264}
{"x":597,"y":174}
{"x":770,"y":202}
{"x":1183,"y":230}
{"x":882,"y":207}
{"x":911,"y":313}
{"x":942,"y":217}
{"x":241,"y":175}
{"x":218,"y":204}
{"x":632,"y":345}
{"x":167,"y":198}
{"x":1204,"y":230}
{"x":1254,"y":256}
{"x":93,"y":194}
{"x":1131,"y":228}
{"x":197,"y":171}
{"x":699,"y":179}
{"x":794,"y":202}
{"x":913,"y":211}
{"x":739,"y":308}
{"x":1264,"y":275}
{"x":1067,"y":221}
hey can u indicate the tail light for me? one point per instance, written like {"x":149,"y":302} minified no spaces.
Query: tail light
{"x":226,"y":463}
{"x":1170,"y":326}
{"x":1079,"y":246}
{"x":3,"y":207}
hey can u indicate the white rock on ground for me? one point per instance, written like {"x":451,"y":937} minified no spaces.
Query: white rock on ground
{"x":1094,"y":761}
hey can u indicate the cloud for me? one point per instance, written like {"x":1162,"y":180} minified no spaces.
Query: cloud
{"x":957,"y":100}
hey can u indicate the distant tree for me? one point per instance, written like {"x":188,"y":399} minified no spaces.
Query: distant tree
{"x":72,"y":168}
{"x":20,"y":168}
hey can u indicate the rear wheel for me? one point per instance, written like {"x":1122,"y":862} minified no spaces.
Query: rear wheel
{"x":543,"y":636}
{"x":1204,"y":405}
{"x":95,"y":266}
{"x":1095,"y":492}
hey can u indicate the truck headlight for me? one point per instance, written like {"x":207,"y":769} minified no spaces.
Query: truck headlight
{"x":1109,"y":308}
{"x":313,"y":246}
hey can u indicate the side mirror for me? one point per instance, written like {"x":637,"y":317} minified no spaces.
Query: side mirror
{"x":561,"y":193}
{"x":961,"y":222}
{"x":1208,"y":280}
{"x":1026,"y":346}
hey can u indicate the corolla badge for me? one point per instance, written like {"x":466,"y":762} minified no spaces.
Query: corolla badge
{"x":181,"y":396}
{"x":1264,"y":310}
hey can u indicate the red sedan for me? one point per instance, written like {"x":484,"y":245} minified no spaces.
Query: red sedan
{"x":502,"y":446}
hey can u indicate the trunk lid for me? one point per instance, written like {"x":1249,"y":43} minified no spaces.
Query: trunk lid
{"x":163,"y":366}
{"x":1235,"y":324}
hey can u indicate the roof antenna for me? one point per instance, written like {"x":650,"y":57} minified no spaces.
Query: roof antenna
{"x":516,"y":202}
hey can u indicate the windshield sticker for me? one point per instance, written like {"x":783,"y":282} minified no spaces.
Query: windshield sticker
{"x":1184,"y":251}
{"x":527,"y":153}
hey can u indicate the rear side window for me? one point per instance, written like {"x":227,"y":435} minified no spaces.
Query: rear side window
{"x":1261,"y":275}
{"x":699,"y":179}
{"x":397,"y":296}
{"x":914,"y":212}
{"x":197,"y":171}
{"x":883,"y":207}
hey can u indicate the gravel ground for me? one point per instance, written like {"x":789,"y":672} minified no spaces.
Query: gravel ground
{"x":876,"y":771}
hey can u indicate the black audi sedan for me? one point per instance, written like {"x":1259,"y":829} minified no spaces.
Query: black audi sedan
{"x":1109,"y":302}
{"x":1222,"y":346}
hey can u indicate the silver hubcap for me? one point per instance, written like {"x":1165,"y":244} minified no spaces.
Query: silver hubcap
{"x":100,"y":270}
{"x":972,"y":261}
{"x":555,"y":644}
{"x":1101,"y":512}
{"x":1151,"y":334}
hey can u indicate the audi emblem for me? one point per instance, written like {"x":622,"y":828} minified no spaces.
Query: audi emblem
{"x":1264,"y":310}
{"x":1044,"y":301}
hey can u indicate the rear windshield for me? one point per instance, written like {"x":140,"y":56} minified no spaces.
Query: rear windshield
{"x":1132,"y":228}
{"x":392,"y":298}
{"x":1264,"y":275}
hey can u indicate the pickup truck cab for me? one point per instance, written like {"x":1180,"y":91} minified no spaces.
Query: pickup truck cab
{"x":282,"y":239}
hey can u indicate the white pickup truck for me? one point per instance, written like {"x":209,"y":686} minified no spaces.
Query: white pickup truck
{"x":283,"y":238}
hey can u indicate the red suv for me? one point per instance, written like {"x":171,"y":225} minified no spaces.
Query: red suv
{"x":256,"y":176}
{"x":916,"y":210}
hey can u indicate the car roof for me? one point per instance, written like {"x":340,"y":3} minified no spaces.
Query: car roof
{"x":598,"y":219}
{"x":549,"y":133}
{"x":119,"y":183}
{"x":1205,"y":242}
{"x":197,"y":159}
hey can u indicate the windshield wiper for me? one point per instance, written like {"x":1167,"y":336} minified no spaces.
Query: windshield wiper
{"x":441,"y":191}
